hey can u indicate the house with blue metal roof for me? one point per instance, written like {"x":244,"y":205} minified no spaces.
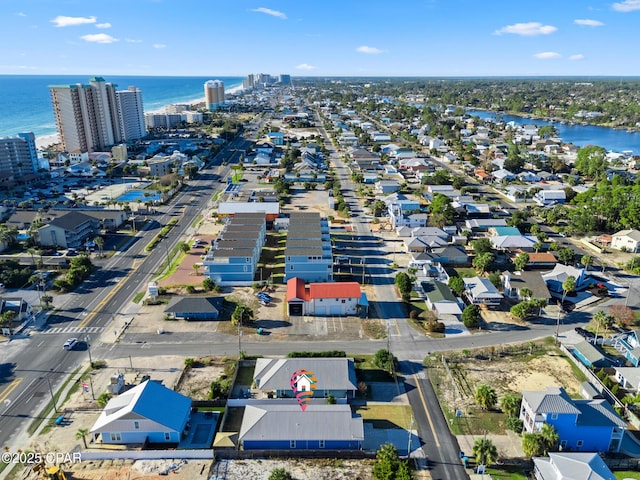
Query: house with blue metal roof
{"x":149,"y":412}
{"x":590,"y":425}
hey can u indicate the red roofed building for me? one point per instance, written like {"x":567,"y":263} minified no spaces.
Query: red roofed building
{"x":326,"y":298}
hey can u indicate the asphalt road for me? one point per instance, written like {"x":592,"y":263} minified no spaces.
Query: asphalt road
{"x":40,"y":366}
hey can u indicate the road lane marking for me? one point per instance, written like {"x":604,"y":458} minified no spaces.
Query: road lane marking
{"x":12,"y":386}
{"x":426,"y":410}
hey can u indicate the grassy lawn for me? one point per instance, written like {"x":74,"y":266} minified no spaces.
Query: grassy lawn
{"x":466,"y":272}
{"x":624,"y":475}
{"x":507,"y":472}
{"x":245,"y":376}
{"x":366,"y":371}
{"x":374,"y":328}
{"x":386,"y":416}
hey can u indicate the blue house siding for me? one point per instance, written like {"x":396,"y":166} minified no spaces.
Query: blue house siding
{"x":594,"y":438}
{"x":139,"y":437}
{"x":301,"y":445}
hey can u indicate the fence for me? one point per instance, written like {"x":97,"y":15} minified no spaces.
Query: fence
{"x":149,"y":455}
{"x":595,"y":381}
{"x":232,"y":454}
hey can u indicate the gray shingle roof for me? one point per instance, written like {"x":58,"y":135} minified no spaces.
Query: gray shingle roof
{"x":332,"y":373}
{"x":70,"y":221}
{"x":552,"y":400}
{"x":194,"y":305}
{"x":286,"y":421}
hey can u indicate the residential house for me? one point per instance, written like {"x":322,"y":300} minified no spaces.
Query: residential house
{"x":514,"y":242}
{"x":423,"y":243}
{"x":334,"y":376}
{"x":628,"y":378}
{"x":529,"y":177}
{"x":71,"y":229}
{"x":285,"y":426}
{"x":450,"y":255}
{"x":194,"y":308}
{"x":387,"y":186}
{"x":514,"y":283}
{"x":503,"y":231}
{"x":540,"y":260}
{"x":233,"y":258}
{"x":589,"y":425}
{"x":308,"y":248}
{"x":483,"y":225}
{"x":149,"y":412}
{"x":277,"y":138}
{"x":546,"y":198}
{"x":480,"y":291}
{"x":559,"y":275}
{"x":590,"y":355}
{"x":571,"y":465}
{"x":627,"y":240}
{"x":323,"y":298}
{"x":503,"y":175}
{"x":629,"y":345}
{"x":440,"y":298}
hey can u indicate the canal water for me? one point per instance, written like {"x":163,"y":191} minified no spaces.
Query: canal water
{"x":581,"y":135}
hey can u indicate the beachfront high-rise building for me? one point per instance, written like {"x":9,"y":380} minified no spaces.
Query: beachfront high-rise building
{"x":249,"y":82}
{"x":214,"y":94}
{"x":92,"y":117}
{"x":18,"y":157}
{"x":130,"y":114}
{"x":284,"y":79}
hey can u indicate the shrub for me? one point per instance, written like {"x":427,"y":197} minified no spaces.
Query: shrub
{"x":190,"y":289}
{"x":280,"y":474}
{"x":435,"y":327}
{"x":471,"y":316}
{"x":384,"y":360}
{"x":515,"y":424}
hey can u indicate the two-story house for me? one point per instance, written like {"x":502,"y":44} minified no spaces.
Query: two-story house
{"x":480,"y":291}
{"x":308,"y":248}
{"x":590,"y":425}
{"x":71,"y":229}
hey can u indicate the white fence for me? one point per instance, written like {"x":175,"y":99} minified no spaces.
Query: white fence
{"x":149,"y":455}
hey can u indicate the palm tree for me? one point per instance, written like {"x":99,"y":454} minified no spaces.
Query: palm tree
{"x":81,"y":434}
{"x":485,"y":396}
{"x":196,"y":266}
{"x":602,"y":320}
{"x":550,"y":437}
{"x":510,"y":404}
{"x":99,"y":241}
{"x":526,"y":292}
{"x":485,"y":451}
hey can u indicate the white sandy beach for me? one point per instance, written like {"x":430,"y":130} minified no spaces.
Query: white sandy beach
{"x":46,"y":140}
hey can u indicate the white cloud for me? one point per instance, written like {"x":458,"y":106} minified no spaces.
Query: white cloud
{"x":369,"y":50}
{"x":588,"y":23}
{"x":103,"y":25}
{"x":577,"y":56}
{"x":159,"y":45}
{"x":268,"y":11}
{"x":21,"y":14}
{"x":62,"y":21}
{"x":305,"y":66}
{"x":627,"y":6}
{"x":132,"y":40}
{"x":99,"y":38}
{"x":547,"y":55}
{"x":528,"y":29}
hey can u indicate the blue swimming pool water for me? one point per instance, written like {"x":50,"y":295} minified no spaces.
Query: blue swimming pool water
{"x":138,"y":196}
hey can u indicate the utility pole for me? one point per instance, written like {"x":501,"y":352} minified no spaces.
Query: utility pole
{"x":53,"y":398}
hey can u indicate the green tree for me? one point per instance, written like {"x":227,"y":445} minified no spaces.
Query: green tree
{"x":482,"y":245}
{"x":485,"y":451}
{"x":456,"y":284}
{"x":99,"y":241}
{"x":525,"y":292}
{"x":471,"y":316}
{"x":384,"y":360}
{"x":566,"y":256}
{"x":520,"y":310}
{"x":485,"y":396}
{"x":241,"y":314}
{"x":280,"y":474}
{"x":82,"y":434}
{"x":537,"y":246}
{"x":591,"y":161}
{"x":518,"y":219}
{"x":184,"y":246}
{"x":388,"y":464}
{"x":404,"y":284}
{"x":549,"y":437}
{"x":587,"y":261}
{"x":510,"y":404}
{"x":532,"y":445}
{"x":483,"y":261}
{"x":521,"y":261}
{"x":568,"y":286}
{"x":441,"y":210}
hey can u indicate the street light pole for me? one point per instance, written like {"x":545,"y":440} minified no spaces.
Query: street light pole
{"x":53,"y":398}
{"x":87,"y":339}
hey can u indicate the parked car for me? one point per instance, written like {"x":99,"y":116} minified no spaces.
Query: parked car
{"x":70,"y":344}
{"x":265,"y":296}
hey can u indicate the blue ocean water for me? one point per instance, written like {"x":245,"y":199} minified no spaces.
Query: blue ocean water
{"x":25,"y":103}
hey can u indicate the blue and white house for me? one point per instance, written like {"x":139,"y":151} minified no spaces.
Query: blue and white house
{"x":282,"y":425}
{"x":590,"y":425}
{"x":149,"y":412}
{"x":629,"y":344}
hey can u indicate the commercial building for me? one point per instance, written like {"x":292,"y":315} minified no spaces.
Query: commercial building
{"x":18,"y":157}
{"x":214,"y":94}
{"x":94,"y":116}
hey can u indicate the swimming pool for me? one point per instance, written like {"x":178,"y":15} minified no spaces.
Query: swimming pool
{"x":139,"y":196}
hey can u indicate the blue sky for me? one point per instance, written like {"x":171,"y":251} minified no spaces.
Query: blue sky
{"x":323,"y":37}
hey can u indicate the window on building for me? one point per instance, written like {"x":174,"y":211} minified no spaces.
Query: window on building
{"x":321,"y":445}
{"x":344,"y":301}
{"x":116,"y":437}
{"x":136,"y":425}
{"x":292,"y":444}
{"x":167,"y":436}
{"x":579,"y":443}
{"x":554,"y":416}
{"x":247,"y":259}
{"x":290,"y":267}
{"x":246,"y":268}
{"x":563,"y":444}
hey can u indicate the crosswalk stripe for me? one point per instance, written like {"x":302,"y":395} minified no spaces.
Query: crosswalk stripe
{"x":54,"y":330}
